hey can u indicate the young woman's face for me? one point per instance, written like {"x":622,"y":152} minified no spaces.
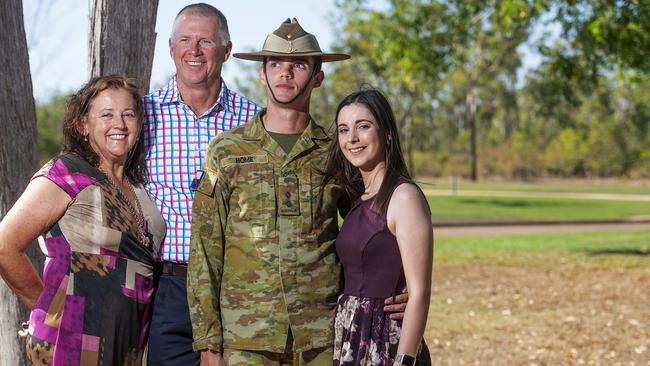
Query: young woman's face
{"x":359,"y":137}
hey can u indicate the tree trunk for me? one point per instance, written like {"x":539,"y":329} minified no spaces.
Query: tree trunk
{"x":470,"y":113}
{"x":470,"y":101}
{"x":122,"y":39}
{"x":17,"y":158}
{"x":405,"y":119}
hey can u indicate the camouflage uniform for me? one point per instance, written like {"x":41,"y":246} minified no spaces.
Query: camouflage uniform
{"x":262,"y":253}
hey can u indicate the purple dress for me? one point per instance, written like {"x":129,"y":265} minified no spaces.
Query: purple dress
{"x":98,"y":275}
{"x":372,"y":266}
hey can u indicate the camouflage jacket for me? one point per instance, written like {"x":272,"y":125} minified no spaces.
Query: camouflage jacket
{"x":262,"y":255}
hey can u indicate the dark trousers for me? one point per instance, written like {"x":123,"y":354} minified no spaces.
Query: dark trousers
{"x":170,"y":336}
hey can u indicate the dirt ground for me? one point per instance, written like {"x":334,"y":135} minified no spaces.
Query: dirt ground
{"x":493,"y":315}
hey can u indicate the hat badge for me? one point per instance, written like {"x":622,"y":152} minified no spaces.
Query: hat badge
{"x":290,"y":49}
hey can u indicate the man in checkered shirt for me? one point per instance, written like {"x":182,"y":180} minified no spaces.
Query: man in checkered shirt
{"x":180,"y":120}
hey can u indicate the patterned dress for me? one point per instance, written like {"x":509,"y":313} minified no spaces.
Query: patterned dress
{"x":98,"y":277}
{"x":372,"y":266}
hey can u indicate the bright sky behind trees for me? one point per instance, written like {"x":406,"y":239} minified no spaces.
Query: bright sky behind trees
{"x":57,"y":34}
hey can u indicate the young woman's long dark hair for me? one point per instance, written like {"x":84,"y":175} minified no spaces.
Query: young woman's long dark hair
{"x":346,"y":174}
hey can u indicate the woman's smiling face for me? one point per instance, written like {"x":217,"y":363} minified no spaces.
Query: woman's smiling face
{"x":359,"y":137}
{"x":112,"y":125}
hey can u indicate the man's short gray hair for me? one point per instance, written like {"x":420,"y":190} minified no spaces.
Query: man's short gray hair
{"x":207,"y":10}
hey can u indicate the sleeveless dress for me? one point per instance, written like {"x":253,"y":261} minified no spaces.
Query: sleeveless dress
{"x":372,"y":267}
{"x":98,"y":276}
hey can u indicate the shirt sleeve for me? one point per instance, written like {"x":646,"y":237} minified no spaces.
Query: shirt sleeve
{"x":205,"y":268}
{"x":68,"y":173}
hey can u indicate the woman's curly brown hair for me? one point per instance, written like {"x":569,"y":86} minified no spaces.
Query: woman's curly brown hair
{"x":78,"y":106}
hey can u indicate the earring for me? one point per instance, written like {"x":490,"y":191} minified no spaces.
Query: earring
{"x":85,"y":138}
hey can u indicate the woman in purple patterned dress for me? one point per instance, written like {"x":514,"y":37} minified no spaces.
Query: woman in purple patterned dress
{"x":385,"y":243}
{"x":100,"y":234}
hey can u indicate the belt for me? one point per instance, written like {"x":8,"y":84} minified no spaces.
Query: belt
{"x":174,"y":269}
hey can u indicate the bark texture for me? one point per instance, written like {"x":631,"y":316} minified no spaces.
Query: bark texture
{"x":18,"y":158}
{"x":122,"y":39}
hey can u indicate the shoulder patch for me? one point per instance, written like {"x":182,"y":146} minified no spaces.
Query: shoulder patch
{"x":207,"y":182}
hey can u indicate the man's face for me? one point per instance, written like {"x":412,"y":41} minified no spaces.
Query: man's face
{"x":198,"y":50}
{"x":287,"y":76}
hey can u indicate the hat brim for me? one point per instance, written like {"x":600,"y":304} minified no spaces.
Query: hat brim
{"x":259,"y":56}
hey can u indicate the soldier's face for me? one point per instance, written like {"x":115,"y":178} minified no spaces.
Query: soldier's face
{"x":198,"y":50}
{"x":359,"y":137}
{"x":287,"y":76}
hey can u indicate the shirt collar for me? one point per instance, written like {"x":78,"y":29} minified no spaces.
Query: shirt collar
{"x":170,"y":94}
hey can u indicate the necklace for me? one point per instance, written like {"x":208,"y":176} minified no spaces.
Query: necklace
{"x":138,"y":215}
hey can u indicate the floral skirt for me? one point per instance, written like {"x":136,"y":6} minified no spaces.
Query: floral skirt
{"x":365,"y":335}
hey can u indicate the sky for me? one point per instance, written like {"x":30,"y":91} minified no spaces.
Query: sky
{"x":57,"y":36}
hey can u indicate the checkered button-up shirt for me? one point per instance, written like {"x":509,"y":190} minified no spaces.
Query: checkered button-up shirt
{"x":175,"y":142}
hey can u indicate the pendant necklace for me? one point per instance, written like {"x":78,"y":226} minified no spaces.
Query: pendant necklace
{"x":138,"y":215}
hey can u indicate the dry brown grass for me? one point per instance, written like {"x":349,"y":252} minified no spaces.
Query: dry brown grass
{"x":486,"y":314}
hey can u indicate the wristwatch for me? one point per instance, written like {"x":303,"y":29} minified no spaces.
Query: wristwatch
{"x":405,"y":360}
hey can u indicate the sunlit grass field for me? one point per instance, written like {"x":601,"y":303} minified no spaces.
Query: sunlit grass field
{"x":533,"y":208}
{"x":608,"y":250}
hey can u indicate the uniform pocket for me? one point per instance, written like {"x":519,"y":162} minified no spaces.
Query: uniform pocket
{"x":252,"y":201}
{"x":289,"y":194}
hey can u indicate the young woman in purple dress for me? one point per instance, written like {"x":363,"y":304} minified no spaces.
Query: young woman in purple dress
{"x":386,"y":241}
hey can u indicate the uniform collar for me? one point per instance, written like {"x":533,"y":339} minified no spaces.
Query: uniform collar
{"x":312,"y":138}
{"x":255,"y":130}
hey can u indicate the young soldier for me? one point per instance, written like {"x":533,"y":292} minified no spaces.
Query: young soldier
{"x":263,"y":276}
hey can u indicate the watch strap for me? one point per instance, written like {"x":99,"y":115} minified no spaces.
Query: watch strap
{"x":405,"y":360}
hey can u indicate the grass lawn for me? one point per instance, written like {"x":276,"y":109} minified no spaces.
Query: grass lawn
{"x":533,"y":208}
{"x":624,"y":249}
{"x":541,"y":187}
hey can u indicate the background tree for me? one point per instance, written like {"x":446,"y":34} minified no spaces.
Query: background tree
{"x":605,"y":33}
{"x":17,"y":158}
{"x":488,"y":34}
{"x":122,"y":39}
{"x":49,"y":119}
{"x":404,"y":50}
